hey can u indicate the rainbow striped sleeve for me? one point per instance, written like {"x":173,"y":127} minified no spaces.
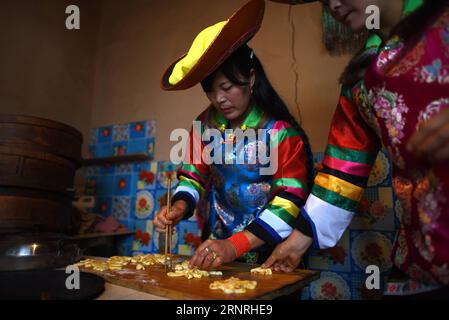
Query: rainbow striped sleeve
{"x":350,"y":154}
{"x":192,"y":175}
{"x":288,"y":188}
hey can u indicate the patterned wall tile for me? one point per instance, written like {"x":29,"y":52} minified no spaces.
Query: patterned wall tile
{"x":121,"y":208}
{"x":122,"y":139}
{"x":144,"y":205}
{"x":103,"y":206}
{"x":143,"y":242}
{"x":330,"y":286}
{"x":189,"y":237}
{"x":121,"y":132}
{"x":104,"y":134}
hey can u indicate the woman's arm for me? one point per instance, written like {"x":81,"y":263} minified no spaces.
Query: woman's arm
{"x":192,"y":177}
{"x":339,"y":185}
{"x":288,"y":188}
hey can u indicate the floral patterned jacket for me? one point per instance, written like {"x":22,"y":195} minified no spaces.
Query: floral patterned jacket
{"x":396,"y":97}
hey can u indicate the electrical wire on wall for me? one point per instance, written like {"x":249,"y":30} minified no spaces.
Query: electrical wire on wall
{"x":337,"y":38}
{"x":294,"y":65}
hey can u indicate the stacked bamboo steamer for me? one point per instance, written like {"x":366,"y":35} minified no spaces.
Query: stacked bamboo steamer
{"x":38,"y":161}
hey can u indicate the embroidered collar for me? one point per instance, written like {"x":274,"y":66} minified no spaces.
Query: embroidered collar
{"x":252,"y":120}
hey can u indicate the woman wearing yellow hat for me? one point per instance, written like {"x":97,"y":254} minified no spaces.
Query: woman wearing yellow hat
{"x":248,"y":213}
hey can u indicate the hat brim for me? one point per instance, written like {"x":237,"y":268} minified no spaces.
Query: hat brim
{"x":293,"y":2}
{"x":239,"y":29}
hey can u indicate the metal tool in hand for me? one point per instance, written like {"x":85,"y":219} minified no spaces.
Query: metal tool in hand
{"x":168,"y":231}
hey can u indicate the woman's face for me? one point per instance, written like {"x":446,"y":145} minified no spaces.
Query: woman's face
{"x":230,"y":99}
{"x":352,"y":12}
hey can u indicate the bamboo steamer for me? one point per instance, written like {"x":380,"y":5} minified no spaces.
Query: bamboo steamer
{"x":38,"y":161}
{"x":48,"y":136}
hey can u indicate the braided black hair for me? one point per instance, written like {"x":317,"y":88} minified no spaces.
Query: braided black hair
{"x":410,"y":29}
{"x":241,"y":62}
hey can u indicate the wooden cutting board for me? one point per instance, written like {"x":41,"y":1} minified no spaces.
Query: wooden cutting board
{"x":154,"y":280}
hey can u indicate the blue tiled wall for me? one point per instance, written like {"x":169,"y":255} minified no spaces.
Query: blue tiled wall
{"x":122,"y":139}
{"x":133,"y":192}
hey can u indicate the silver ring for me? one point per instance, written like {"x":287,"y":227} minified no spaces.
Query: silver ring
{"x":207,"y":249}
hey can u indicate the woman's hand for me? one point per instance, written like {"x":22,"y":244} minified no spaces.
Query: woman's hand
{"x":175,"y":215}
{"x":213,"y":253}
{"x":287,"y":255}
{"x":431,"y":142}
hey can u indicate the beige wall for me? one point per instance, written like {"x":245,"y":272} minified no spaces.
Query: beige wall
{"x":138,"y":39}
{"x":109,"y":71}
{"x":45,"y":69}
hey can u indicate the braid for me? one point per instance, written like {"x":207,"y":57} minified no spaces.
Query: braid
{"x":355,"y":70}
{"x":270,"y":101}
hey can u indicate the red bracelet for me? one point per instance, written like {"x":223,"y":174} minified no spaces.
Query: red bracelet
{"x":240,"y":243}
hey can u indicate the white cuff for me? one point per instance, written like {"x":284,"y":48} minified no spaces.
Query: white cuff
{"x":329,"y":222}
{"x":279,"y":225}
{"x":190,"y":191}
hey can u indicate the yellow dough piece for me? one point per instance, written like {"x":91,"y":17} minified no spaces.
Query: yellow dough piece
{"x":116,"y":263}
{"x":233,"y":285}
{"x":183,"y":270}
{"x":262,"y":271}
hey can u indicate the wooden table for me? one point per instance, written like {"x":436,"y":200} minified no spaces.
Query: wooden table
{"x":154,"y":281}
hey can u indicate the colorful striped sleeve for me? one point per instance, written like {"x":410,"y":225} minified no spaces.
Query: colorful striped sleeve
{"x":193,"y":173}
{"x":350,"y":154}
{"x":288,"y":188}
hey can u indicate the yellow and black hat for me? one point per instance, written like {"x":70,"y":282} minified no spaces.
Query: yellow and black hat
{"x":213,"y":46}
